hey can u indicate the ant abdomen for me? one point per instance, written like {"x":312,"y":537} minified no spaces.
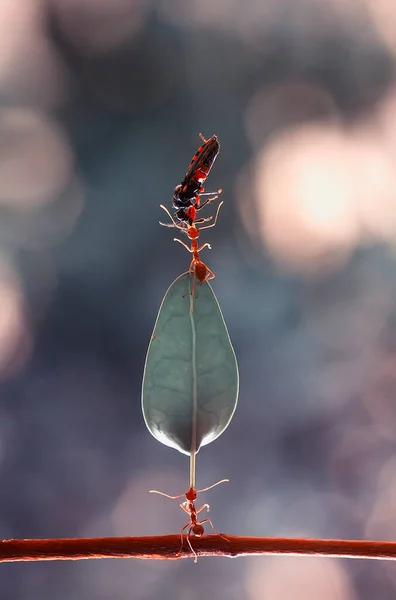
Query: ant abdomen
{"x":198,"y":530}
{"x":200,"y":271}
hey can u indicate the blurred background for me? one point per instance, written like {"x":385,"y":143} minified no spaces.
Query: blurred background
{"x":101,"y":105}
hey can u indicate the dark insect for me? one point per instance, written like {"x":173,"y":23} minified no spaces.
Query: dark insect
{"x":187,"y":195}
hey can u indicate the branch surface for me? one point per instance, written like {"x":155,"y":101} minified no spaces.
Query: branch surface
{"x":168,"y":547}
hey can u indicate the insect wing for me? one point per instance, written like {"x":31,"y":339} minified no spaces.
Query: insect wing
{"x":203,"y":159}
{"x":190,"y":382}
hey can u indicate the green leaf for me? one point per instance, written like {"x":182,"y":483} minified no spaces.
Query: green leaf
{"x":190,"y":381}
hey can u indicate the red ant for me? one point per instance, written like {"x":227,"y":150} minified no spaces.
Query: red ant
{"x":197,"y":267}
{"x":195,"y":527}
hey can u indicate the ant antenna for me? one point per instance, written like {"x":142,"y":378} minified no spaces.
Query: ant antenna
{"x":171,"y":218}
{"x":215,"y":219}
{"x":212,"y":486}
{"x":166,"y":495}
{"x":183,"y":495}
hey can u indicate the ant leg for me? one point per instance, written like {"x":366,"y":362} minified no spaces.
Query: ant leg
{"x":191,"y":272}
{"x":205,"y":245}
{"x":185,"y":527}
{"x":192,"y":550}
{"x":202,"y":507}
{"x":209,"y":274}
{"x":183,"y":244}
{"x":192,"y":287}
{"x":189,"y":543}
{"x":181,"y":536}
{"x":215,"y":220}
{"x":214,"y":528}
{"x":200,"y":283}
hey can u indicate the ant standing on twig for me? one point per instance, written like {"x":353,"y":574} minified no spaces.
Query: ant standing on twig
{"x":196,"y":528}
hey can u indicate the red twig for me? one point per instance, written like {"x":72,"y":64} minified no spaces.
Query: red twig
{"x":168,"y":546}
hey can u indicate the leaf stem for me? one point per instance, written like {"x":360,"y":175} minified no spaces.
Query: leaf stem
{"x":193,"y":448}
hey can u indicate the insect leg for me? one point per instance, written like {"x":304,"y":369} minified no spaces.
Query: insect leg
{"x":208,"y":201}
{"x":205,"y":220}
{"x":209,"y":193}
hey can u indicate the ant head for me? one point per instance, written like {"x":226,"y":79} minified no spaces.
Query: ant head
{"x":198,"y":530}
{"x":193,"y":232}
{"x":191,"y":495}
